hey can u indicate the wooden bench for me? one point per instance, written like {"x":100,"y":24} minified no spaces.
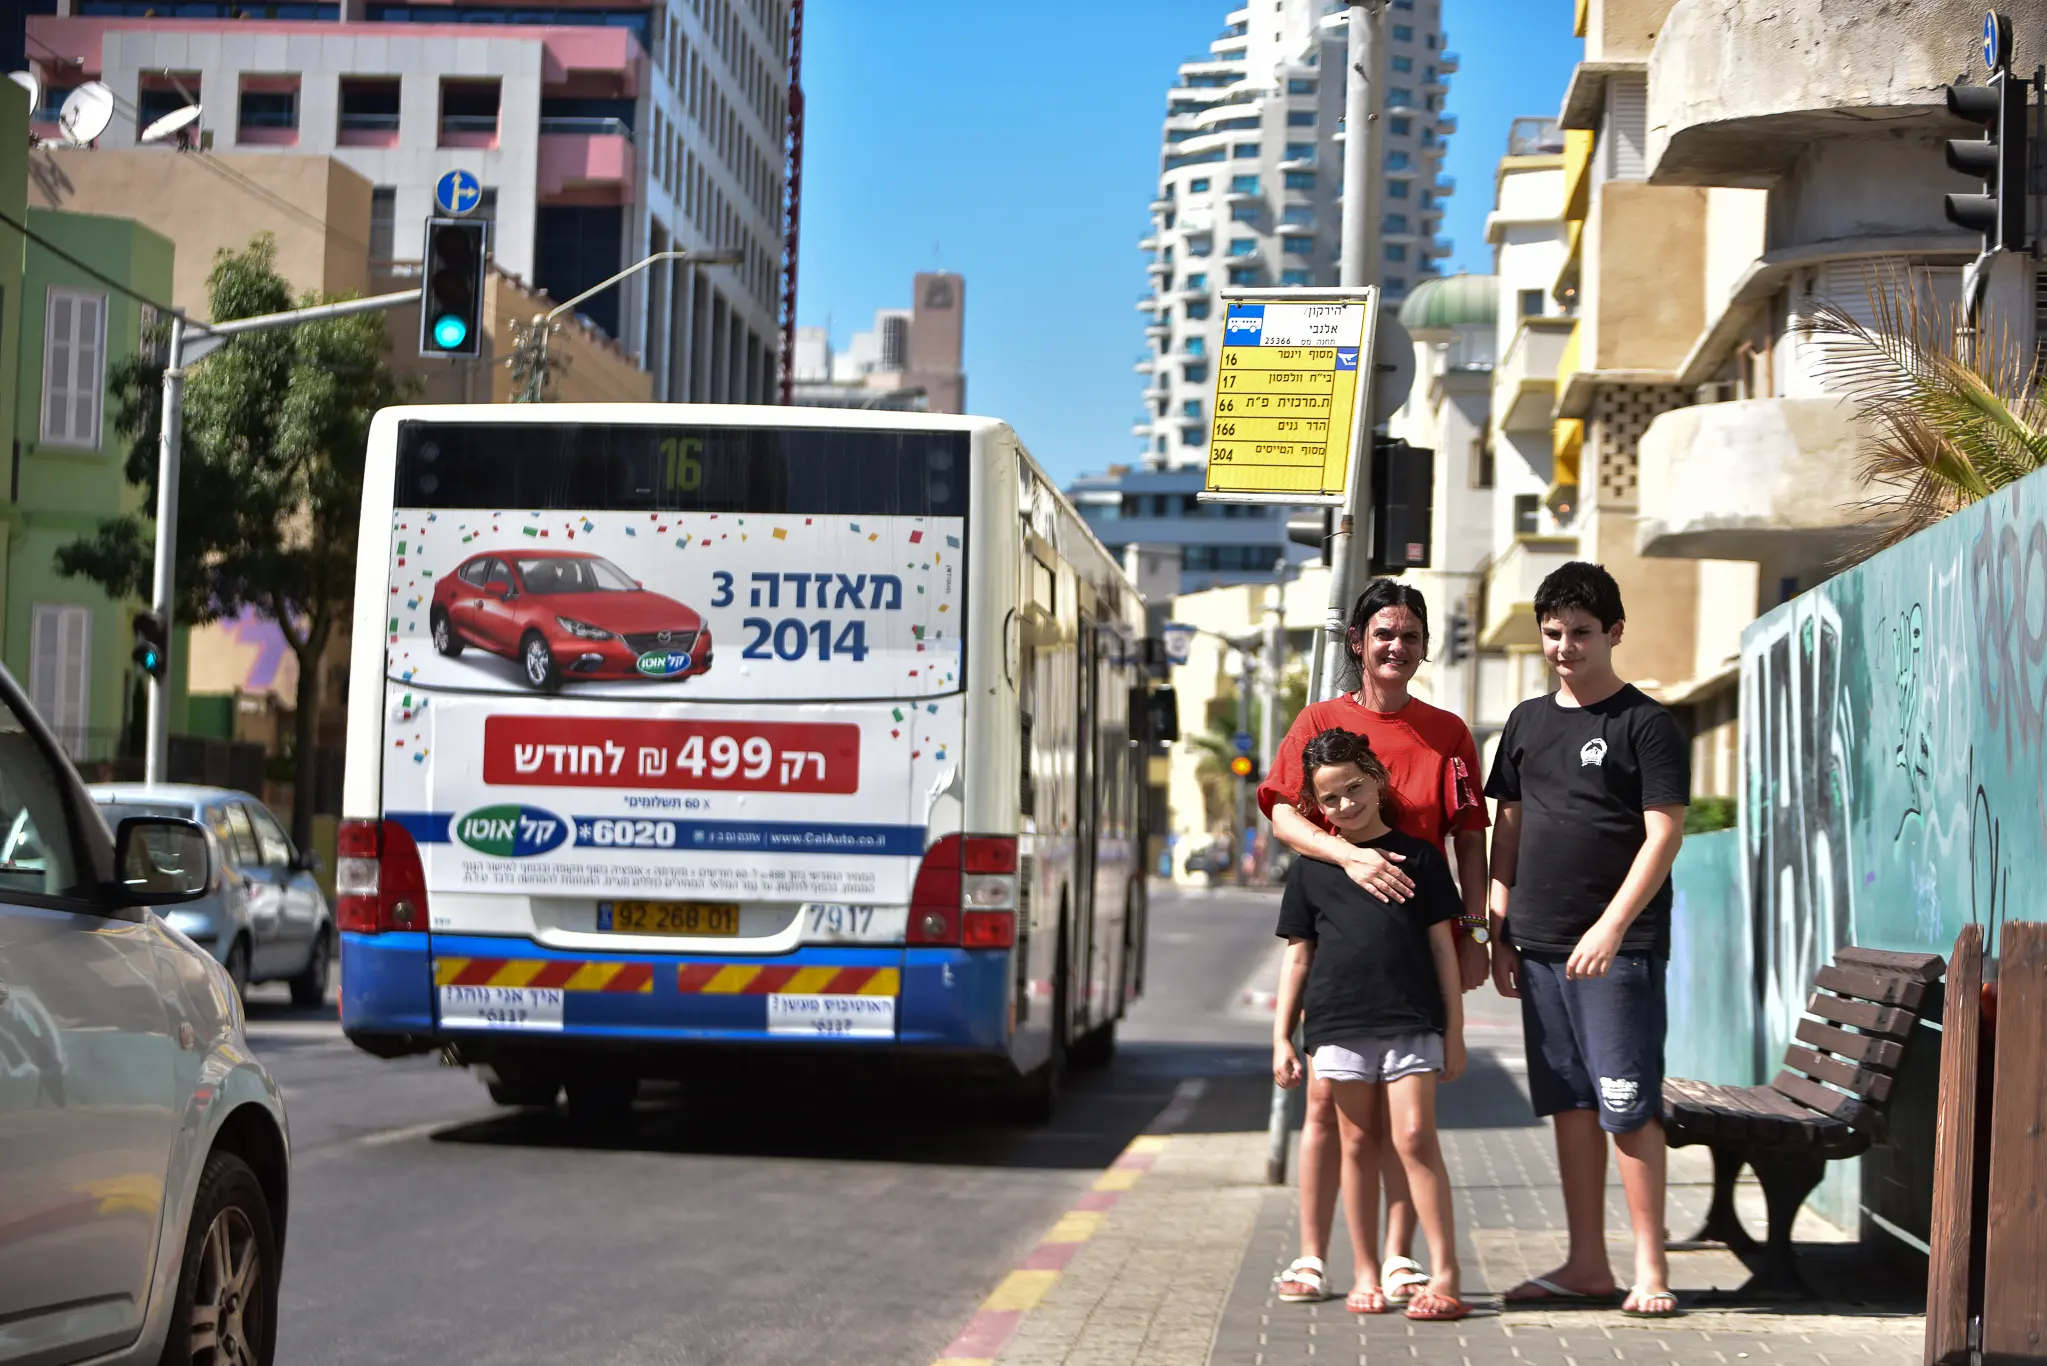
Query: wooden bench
{"x":1826,"y":1104}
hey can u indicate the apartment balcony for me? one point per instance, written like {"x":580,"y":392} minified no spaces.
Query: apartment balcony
{"x":1150,"y":243}
{"x":1736,"y":102}
{"x":1141,"y":427}
{"x":1446,"y":124}
{"x":1163,"y":205}
{"x":1243,"y":196}
{"x":1525,"y":381}
{"x":1159,"y":267}
{"x":1643,"y":306}
{"x":1159,"y":329}
{"x":1445,"y":186}
{"x":1510,"y":586}
{"x":1148,"y":364}
{"x":1770,"y":480}
{"x":1446,"y":62}
{"x":1253,"y":257}
{"x":577,"y":164}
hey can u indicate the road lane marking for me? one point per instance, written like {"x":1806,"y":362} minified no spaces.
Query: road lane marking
{"x":1023,"y":1290}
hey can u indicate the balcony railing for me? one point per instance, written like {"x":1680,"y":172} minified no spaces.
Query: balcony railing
{"x":579,"y":124}
{"x":1530,"y":137}
{"x":368,"y":123}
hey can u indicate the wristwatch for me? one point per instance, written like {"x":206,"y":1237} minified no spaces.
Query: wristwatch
{"x":1480,"y":934}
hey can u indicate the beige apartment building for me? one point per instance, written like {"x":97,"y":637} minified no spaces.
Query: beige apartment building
{"x":243,"y":680}
{"x":1656,"y":406}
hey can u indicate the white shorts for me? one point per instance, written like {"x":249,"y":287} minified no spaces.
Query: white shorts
{"x":1383,"y":1059}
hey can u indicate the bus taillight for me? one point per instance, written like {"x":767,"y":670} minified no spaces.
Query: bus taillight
{"x":965,"y":893}
{"x":379,"y":882}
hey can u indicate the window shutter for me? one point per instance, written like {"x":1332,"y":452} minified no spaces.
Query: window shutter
{"x":60,"y":672}
{"x":85,"y":370}
{"x":1626,"y":133}
{"x":58,"y":349}
{"x":74,"y":354}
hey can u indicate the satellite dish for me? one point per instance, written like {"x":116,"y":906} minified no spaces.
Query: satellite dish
{"x":86,"y":113}
{"x":177,"y":121}
{"x":27,"y":81}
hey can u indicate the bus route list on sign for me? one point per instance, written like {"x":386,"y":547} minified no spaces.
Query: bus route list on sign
{"x":1285,"y":397}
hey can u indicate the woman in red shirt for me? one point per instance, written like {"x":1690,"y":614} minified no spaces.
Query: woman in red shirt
{"x":1434,"y":765}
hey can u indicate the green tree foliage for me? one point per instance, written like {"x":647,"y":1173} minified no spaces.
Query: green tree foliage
{"x":270,"y":489}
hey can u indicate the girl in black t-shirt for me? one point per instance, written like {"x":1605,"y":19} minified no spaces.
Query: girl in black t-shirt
{"x":1385,"y":1011}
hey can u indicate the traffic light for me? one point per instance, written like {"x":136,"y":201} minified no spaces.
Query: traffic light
{"x":1998,"y":159}
{"x":1314,"y":529}
{"x":451,"y":294}
{"x":1244,"y":766}
{"x":1460,"y":638}
{"x":152,"y":644}
{"x":1403,"y":495}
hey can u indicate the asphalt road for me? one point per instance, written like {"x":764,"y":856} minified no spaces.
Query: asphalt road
{"x":774,"y":1225}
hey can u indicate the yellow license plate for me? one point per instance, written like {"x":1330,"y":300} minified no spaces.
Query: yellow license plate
{"x":667,"y":917}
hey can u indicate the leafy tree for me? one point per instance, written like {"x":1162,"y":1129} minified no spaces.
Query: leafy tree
{"x":270,"y":488}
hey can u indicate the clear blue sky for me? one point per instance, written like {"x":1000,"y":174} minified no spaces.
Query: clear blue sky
{"x":1018,"y":144}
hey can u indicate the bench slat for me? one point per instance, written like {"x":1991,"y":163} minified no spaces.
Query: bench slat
{"x":1847,"y":1109}
{"x":1924,"y":967}
{"x":1883,"y":988}
{"x":1876,"y":1019}
{"x":1863,"y":1048}
{"x":1870,"y":1085}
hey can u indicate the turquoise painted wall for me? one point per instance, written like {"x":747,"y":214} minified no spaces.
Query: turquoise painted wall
{"x":1712,"y":1015}
{"x":1894,"y":751}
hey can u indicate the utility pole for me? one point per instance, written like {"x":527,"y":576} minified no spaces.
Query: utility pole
{"x":191,"y":343}
{"x":1361,"y":137}
{"x":1247,"y":679}
{"x":1275,"y":665}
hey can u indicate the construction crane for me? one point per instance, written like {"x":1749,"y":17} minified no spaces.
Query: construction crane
{"x":792,"y":202}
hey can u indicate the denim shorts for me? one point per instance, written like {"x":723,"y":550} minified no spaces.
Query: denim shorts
{"x":1595,"y":1043}
{"x":1381,"y":1059}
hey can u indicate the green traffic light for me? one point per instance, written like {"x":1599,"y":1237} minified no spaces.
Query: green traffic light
{"x":450,"y":331}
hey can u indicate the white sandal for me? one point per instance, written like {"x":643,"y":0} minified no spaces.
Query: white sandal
{"x":1400,"y":1278}
{"x":1304,"y":1271}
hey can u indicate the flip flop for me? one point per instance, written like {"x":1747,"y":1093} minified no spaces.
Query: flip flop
{"x":1650,"y":1298}
{"x":1430,"y":1307}
{"x":1350,"y":1300}
{"x":1557,"y":1294}
{"x":1304,"y":1271}
{"x":1400,"y":1278}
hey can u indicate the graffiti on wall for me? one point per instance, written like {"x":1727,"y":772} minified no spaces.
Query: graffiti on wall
{"x":1895,"y":750}
{"x":1797,"y":735}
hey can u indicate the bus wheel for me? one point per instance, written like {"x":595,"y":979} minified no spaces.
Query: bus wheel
{"x":511,"y":1085}
{"x":603,"y":1100}
{"x":1037,"y":1097}
{"x":1097,"y":1049}
{"x":537,"y":659}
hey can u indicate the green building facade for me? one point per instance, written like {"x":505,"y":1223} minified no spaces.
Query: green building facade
{"x":64,"y":640}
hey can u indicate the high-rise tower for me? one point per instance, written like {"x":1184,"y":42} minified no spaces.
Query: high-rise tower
{"x":1251,"y":181}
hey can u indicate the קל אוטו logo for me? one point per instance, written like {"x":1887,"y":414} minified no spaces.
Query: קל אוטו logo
{"x":511,"y":831}
{"x":664,"y":663}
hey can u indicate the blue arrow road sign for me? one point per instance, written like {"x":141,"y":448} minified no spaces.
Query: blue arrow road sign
{"x":1996,"y":40}
{"x":1243,"y":739}
{"x":457,"y":192}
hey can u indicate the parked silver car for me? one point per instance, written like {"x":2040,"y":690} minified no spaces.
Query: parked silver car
{"x":146,"y":1158}
{"x":266,"y":918}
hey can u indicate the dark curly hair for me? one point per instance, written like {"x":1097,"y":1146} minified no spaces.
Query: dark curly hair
{"x":1334,"y":748}
{"x":1379,"y":595}
{"x":1582,"y":585}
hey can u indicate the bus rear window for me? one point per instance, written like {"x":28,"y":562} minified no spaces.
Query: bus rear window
{"x":682,"y":469}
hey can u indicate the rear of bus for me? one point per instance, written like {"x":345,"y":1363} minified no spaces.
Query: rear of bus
{"x":656,"y":743}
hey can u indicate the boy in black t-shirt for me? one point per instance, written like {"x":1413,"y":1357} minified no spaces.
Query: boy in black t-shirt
{"x":1592,"y":784}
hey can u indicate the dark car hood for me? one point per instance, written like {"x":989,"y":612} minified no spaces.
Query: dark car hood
{"x":619,"y":612}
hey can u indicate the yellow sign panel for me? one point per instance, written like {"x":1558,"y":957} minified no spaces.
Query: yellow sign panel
{"x":1286,"y":395}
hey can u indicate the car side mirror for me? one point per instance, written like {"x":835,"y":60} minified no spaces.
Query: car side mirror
{"x":162,"y":861}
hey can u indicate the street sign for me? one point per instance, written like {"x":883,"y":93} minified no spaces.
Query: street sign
{"x":457,"y":193}
{"x":1287,"y":400}
{"x":1179,"y":639}
{"x":1242,"y":740}
{"x":1996,"y":40}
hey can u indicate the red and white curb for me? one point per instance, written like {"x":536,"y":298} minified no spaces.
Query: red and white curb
{"x":992,"y":1327}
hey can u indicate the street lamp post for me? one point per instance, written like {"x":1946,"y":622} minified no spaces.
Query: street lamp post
{"x":543,"y":323}
{"x":190,"y":343}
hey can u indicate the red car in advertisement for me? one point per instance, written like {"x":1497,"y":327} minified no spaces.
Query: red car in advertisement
{"x":562,"y":614}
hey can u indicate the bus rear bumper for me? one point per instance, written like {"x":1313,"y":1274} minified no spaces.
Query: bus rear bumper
{"x":945,"y":1001}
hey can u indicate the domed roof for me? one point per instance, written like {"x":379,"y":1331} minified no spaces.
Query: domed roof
{"x":1452,"y":301}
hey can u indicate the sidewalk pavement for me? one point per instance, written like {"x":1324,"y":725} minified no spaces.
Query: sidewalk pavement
{"x":1170,"y":1261}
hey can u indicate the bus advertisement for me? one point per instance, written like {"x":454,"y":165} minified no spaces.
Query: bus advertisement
{"x":707,"y":730}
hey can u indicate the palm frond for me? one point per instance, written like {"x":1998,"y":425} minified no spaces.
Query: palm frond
{"x":1949,"y":423}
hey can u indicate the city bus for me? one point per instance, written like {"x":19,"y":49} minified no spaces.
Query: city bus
{"x":680,"y":735}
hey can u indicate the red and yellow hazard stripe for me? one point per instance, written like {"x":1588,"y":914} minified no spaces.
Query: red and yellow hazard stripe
{"x":565,"y":973}
{"x":747,"y":979}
